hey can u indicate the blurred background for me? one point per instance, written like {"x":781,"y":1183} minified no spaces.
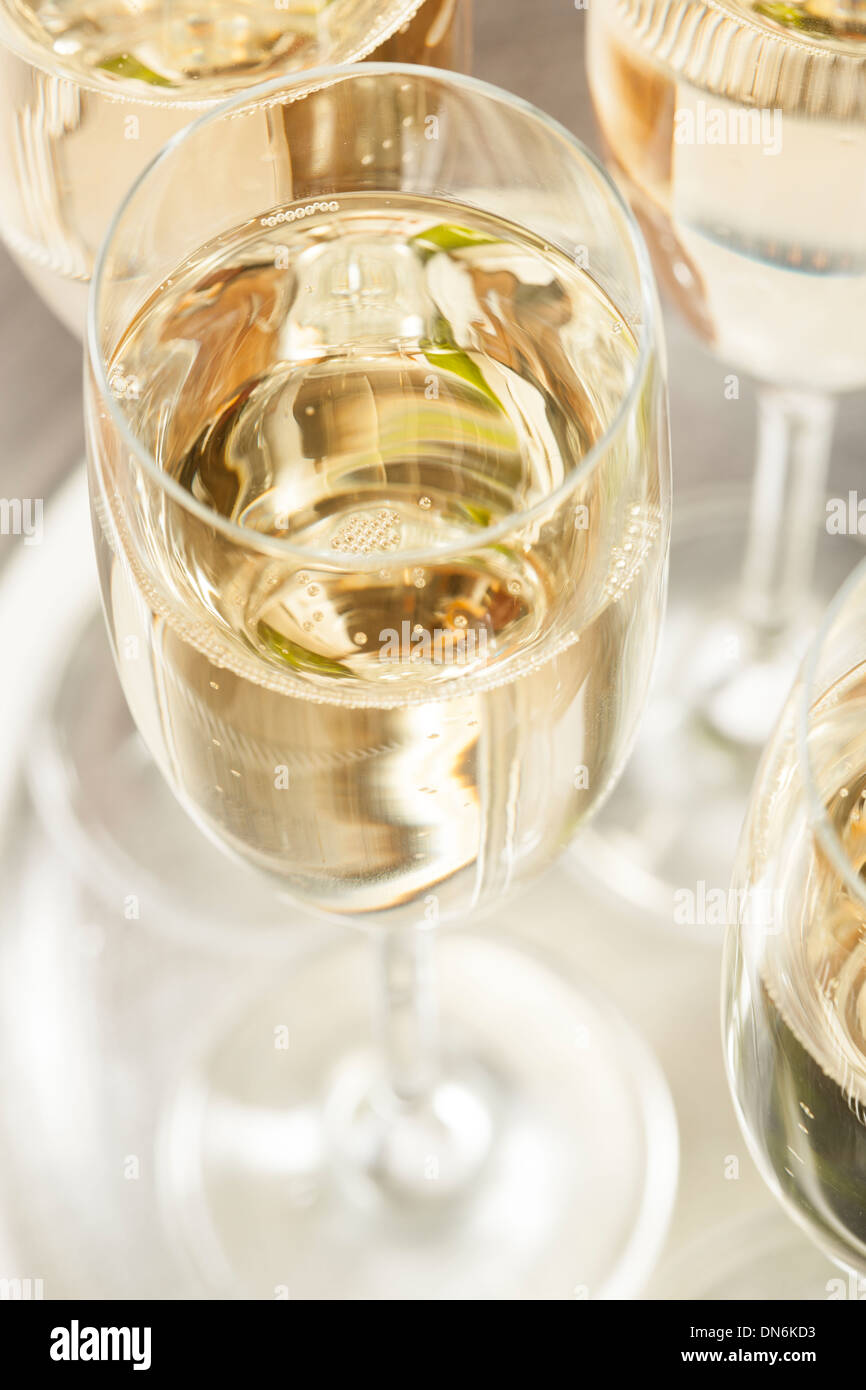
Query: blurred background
{"x":667,"y":986}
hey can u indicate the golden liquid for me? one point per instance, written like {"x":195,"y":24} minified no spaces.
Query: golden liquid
{"x":227,"y":44}
{"x":398,"y":718}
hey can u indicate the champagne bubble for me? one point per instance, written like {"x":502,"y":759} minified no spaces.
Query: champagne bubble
{"x":365,"y":533}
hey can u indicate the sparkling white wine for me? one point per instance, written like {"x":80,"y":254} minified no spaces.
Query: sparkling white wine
{"x":225,"y":44}
{"x":358,"y":689}
{"x":799,"y":1047}
{"x":739,"y":129}
{"x":90,"y":91}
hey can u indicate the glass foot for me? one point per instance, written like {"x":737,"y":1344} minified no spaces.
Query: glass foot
{"x":666,"y":839}
{"x":763,"y":1256}
{"x":543,"y":1166}
{"x":109,"y":810}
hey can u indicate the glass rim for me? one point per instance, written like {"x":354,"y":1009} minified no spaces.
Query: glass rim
{"x":752,"y":23}
{"x":317,"y":79}
{"x":818,"y":820}
{"x":803,"y":39}
{"x":26,"y":46}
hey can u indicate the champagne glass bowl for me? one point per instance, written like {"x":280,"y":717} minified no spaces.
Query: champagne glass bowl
{"x":793,"y":1007}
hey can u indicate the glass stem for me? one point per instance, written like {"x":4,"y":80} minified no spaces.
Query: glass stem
{"x":795,"y":434}
{"x":408,"y":1012}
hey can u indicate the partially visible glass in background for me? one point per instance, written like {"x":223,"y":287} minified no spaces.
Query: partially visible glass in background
{"x":795,"y":969}
{"x":738,"y":131}
{"x":739,"y":128}
{"x":90,"y":92}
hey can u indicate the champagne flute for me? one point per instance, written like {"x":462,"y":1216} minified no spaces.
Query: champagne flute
{"x":379,"y":474}
{"x":794,"y":1022}
{"x":89,"y":93}
{"x":738,"y":129}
